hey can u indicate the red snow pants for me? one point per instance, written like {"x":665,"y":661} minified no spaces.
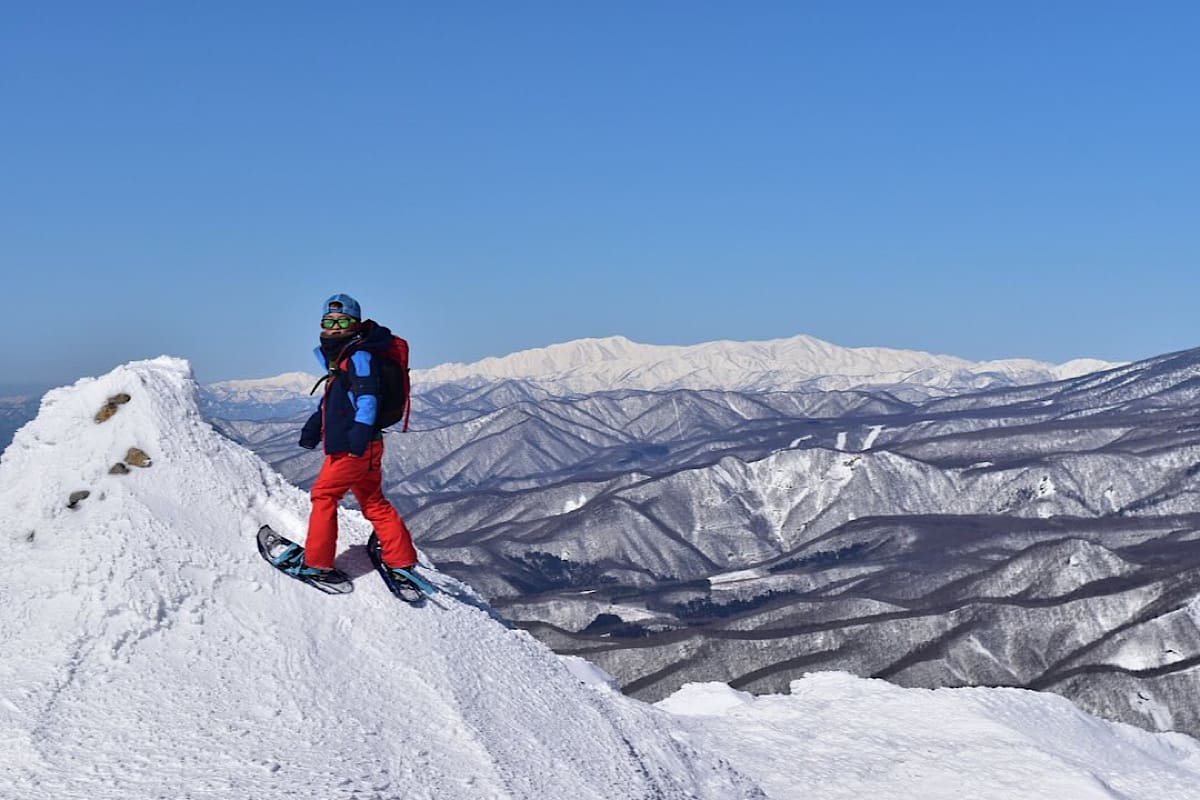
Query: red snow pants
{"x":362,"y":475}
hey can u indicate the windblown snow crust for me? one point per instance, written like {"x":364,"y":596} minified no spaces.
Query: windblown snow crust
{"x":147,"y":651}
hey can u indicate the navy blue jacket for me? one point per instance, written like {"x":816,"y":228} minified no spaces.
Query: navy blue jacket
{"x":345,"y":418}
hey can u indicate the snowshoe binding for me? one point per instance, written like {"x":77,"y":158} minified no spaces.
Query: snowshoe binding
{"x":288,"y":557}
{"x":404,"y":582}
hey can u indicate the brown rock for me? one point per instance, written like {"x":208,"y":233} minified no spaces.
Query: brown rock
{"x":111,"y":405}
{"x":137,"y":458}
{"x":77,"y":497}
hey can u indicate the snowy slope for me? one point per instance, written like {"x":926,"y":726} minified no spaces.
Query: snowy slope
{"x":844,"y":738}
{"x":149,"y":652}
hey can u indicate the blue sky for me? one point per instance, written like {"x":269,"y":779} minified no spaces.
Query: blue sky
{"x":982,"y":179}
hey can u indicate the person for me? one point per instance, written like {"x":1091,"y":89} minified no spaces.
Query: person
{"x":345,"y":422}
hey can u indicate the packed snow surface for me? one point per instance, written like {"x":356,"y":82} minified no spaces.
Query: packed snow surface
{"x":146,"y":651}
{"x":839,"y":737}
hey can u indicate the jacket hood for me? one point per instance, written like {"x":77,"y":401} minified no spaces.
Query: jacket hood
{"x":373,"y":336}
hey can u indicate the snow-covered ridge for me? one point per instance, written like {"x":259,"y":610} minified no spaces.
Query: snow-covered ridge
{"x":146,"y":651}
{"x":800,"y":362}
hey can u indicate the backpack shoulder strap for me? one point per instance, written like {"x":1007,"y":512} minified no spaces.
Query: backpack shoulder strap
{"x":401,"y":346}
{"x":335,"y":366}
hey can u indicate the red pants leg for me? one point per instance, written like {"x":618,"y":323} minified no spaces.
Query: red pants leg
{"x":393,"y":533}
{"x":338,"y":475}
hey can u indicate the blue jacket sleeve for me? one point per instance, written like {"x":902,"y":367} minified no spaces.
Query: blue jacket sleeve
{"x":364,"y":386}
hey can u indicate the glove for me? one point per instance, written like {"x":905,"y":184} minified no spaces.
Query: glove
{"x":310,"y":436}
{"x":360,"y":438}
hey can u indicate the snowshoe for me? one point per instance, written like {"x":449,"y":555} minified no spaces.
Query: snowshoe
{"x":288,"y":557}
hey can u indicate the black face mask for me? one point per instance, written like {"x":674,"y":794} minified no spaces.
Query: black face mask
{"x":332,"y":347}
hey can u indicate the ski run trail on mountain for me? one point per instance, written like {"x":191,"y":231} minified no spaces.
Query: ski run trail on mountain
{"x":146,"y":651}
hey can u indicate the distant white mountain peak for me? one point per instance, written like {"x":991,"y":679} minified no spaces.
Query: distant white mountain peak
{"x":799,"y":363}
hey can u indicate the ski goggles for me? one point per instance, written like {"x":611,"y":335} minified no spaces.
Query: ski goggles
{"x":343,"y":322}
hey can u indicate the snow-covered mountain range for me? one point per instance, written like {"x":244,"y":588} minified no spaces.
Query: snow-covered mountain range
{"x":586,"y":366}
{"x":1040,"y":537}
{"x":146,"y":651}
{"x":681,"y":535}
{"x":260,"y":398}
{"x":800,"y":363}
